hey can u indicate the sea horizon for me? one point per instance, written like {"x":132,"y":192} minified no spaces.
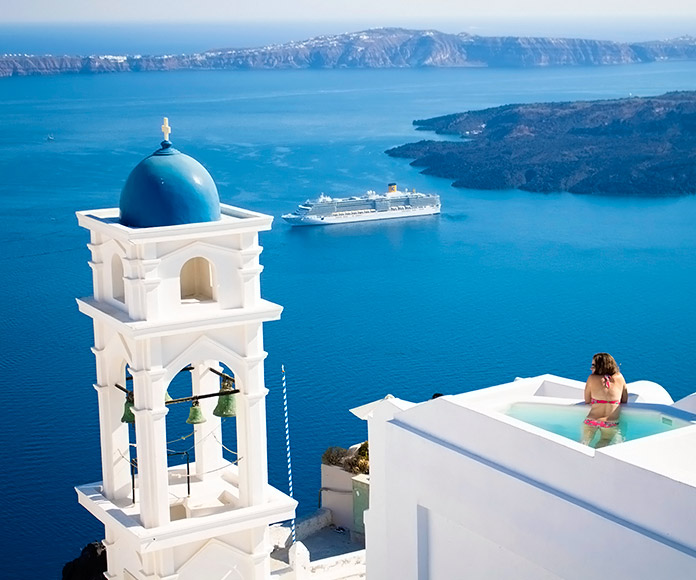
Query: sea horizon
{"x":502,"y":284}
{"x":171,"y":37}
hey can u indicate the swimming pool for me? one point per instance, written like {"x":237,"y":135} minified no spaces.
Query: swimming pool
{"x":567,"y":420}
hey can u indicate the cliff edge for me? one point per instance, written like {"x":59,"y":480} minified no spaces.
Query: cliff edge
{"x":633,"y":146}
{"x":376,"y":48}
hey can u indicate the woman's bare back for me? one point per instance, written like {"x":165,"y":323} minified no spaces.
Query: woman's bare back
{"x":605,"y":394}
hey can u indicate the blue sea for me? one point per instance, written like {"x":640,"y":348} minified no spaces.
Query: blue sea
{"x":502,"y":284}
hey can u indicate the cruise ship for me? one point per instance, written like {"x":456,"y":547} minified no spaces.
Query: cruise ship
{"x":326,"y":210}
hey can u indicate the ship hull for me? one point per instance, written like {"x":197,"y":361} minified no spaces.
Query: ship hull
{"x":314,"y":220}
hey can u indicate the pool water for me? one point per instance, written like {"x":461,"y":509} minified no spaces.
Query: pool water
{"x":567,"y":420}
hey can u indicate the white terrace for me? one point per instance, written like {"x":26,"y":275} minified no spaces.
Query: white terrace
{"x":211,"y":509}
{"x":457,"y":484}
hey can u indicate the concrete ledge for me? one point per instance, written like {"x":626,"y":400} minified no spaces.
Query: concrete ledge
{"x":281,"y":535}
{"x":351,"y":565}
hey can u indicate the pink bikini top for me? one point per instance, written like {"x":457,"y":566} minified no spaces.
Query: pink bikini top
{"x":607,"y":384}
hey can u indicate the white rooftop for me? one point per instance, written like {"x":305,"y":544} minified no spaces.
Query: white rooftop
{"x":460,"y":480}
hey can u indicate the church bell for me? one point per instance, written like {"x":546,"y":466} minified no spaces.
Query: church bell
{"x":226,"y":405}
{"x":195,"y":414}
{"x":128,"y":416}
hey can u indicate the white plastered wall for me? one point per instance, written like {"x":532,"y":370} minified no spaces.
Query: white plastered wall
{"x":514,"y":504}
{"x":156,"y":334}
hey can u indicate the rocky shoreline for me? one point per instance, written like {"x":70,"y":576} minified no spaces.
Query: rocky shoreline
{"x":376,"y":48}
{"x":633,"y":146}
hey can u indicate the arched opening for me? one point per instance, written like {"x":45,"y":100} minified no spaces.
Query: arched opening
{"x":117,"y":289}
{"x":180,"y":419}
{"x":201,"y":438}
{"x":197,"y":280}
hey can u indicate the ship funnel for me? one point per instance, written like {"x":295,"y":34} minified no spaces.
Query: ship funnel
{"x":392,"y":187}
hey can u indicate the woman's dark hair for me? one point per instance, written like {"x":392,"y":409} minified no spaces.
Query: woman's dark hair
{"x":604,"y":364}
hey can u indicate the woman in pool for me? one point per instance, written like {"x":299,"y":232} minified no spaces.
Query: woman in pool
{"x":605,"y":390}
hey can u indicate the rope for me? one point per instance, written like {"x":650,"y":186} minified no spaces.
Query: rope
{"x":180,"y":438}
{"x":235,"y":462}
{"x":211,"y":433}
{"x":128,"y":459}
{"x":225,"y":448}
{"x":287,"y":445}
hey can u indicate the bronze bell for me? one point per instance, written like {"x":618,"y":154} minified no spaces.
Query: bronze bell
{"x":226,"y":405}
{"x":195,"y":414}
{"x":128,"y":416}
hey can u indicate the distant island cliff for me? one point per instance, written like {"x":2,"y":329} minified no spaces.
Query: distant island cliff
{"x":376,"y":48}
{"x":633,"y":146}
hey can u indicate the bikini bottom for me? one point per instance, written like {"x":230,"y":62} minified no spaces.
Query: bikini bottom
{"x":602,"y":424}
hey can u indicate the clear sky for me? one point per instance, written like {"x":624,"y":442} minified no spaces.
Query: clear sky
{"x":327,"y":10}
{"x":638,"y":19}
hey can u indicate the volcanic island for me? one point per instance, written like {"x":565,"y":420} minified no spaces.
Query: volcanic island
{"x":642,"y":146}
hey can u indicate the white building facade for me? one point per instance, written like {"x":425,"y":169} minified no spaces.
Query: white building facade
{"x":177,"y":288}
{"x":461,"y":489}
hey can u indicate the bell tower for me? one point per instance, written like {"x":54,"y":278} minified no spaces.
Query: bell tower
{"x":176,"y":288}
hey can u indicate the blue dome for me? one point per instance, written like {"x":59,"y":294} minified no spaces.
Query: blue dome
{"x":168,"y":188}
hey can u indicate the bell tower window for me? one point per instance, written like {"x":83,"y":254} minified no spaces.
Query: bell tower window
{"x":117,"y":279}
{"x":197,"y":280}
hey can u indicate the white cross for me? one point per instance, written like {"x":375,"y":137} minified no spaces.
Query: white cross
{"x":166,"y":129}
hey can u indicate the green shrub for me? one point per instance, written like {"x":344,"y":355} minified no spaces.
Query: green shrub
{"x":356,"y":464}
{"x":364,"y":451}
{"x":334,"y":456}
